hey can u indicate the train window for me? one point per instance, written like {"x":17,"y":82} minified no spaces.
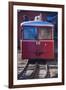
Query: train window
{"x":44,"y":33}
{"x":30,"y":33}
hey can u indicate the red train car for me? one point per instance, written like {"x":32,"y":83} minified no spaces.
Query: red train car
{"x":37,"y":40}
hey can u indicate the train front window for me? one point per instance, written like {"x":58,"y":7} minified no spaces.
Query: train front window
{"x":44,"y":33}
{"x":30,"y":33}
{"x":34,"y":33}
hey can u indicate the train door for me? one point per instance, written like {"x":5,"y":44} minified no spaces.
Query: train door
{"x":46,"y":46}
{"x":28,"y":42}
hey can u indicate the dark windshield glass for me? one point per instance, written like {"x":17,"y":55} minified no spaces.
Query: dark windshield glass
{"x":30,"y":33}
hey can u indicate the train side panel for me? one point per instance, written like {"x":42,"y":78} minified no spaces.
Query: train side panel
{"x":44,"y":50}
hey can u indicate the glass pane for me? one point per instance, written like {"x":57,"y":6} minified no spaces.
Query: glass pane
{"x":44,"y":33}
{"x":30,"y":33}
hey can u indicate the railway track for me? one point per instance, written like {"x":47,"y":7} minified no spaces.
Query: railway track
{"x":36,"y":69}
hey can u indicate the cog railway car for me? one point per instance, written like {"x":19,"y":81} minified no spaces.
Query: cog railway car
{"x":37,"y":40}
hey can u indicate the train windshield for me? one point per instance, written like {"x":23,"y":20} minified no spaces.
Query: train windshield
{"x":33,"y":33}
{"x":30,"y":33}
{"x":44,"y":33}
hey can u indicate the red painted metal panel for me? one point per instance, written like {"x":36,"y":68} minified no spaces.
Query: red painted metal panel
{"x":47,"y":49}
{"x":44,"y":50}
{"x":28,"y":50}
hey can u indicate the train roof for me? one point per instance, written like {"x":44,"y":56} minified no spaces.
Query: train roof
{"x":37,"y":23}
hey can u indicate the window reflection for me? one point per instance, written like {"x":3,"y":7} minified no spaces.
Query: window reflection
{"x":44,"y":33}
{"x":30,"y":33}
